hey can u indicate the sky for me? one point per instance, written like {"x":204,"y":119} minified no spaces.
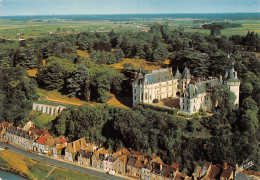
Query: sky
{"x":57,"y":7}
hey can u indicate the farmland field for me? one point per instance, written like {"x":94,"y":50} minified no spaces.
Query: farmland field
{"x":14,"y":30}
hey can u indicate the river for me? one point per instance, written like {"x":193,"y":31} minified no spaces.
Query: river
{"x":9,"y":176}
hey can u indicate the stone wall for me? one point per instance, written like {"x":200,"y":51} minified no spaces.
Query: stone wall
{"x":48,"y":109}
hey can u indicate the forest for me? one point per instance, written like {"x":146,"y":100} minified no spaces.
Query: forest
{"x":234,"y":133}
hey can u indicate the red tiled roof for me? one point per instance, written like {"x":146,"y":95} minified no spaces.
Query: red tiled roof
{"x":42,"y":140}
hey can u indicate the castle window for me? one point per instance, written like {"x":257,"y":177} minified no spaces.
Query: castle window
{"x":135,"y":90}
{"x":135,"y":97}
{"x":142,"y":96}
{"x":150,"y":96}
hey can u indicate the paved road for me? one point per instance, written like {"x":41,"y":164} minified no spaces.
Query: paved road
{"x":60,"y":164}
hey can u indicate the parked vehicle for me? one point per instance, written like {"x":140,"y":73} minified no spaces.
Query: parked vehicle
{"x":111,"y":172}
{"x":40,"y":154}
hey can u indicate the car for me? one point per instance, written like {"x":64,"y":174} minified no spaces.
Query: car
{"x":6,"y":148}
{"x":111,"y":172}
{"x":40,"y":154}
{"x":30,"y":151}
{"x":1,"y":149}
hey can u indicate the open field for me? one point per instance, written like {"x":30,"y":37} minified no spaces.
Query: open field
{"x":35,"y":170}
{"x":58,"y":97}
{"x":10,"y":29}
{"x":248,"y":25}
{"x":147,"y":65}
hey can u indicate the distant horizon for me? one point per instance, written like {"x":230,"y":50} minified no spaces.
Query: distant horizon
{"x":127,"y":14}
{"x":115,"y":7}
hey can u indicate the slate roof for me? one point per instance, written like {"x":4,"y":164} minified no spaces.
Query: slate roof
{"x":178,"y":74}
{"x":201,"y":87}
{"x":158,"y":76}
{"x":38,"y":132}
{"x":135,"y":162}
{"x":85,"y":154}
{"x":166,"y":171}
{"x":186,"y":73}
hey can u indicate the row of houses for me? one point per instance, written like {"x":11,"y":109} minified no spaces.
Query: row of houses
{"x":123,"y":162}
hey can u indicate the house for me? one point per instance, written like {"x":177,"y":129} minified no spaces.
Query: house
{"x":179,"y":176}
{"x":119,"y":165}
{"x":73,"y":148}
{"x":162,"y":171}
{"x":108,"y":161}
{"x":134,"y":166}
{"x":2,"y":130}
{"x":85,"y":158}
{"x":59,"y":145}
{"x":146,"y":170}
{"x":18,"y":136}
{"x":43,"y":144}
{"x":98,"y":157}
{"x":58,"y":150}
{"x":194,"y":93}
{"x":227,"y":173}
{"x":222,"y":172}
{"x":28,"y":125}
{"x":201,"y":172}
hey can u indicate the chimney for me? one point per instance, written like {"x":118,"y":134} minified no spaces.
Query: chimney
{"x":138,"y":157}
{"x":235,"y":74}
{"x":225,"y":166}
{"x":74,"y":146}
{"x":153,"y":156}
{"x":135,"y":74}
{"x":160,"y":167}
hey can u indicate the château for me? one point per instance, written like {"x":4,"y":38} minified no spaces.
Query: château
{"x":194,"y":93}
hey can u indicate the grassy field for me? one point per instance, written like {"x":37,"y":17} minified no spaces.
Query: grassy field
{"x":147,"y":65}
{"x":247,"y":25}
{"x":40,"y":119}
{"x":58,"y":97}
{"x":36,"y":170}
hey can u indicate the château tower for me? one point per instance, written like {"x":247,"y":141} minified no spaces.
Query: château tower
{"x":185,"y":79}
{"x":233,"y":83}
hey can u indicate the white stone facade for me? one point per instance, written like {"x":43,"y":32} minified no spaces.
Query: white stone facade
{"x":194,"y":93}
{"x":160,"y":84}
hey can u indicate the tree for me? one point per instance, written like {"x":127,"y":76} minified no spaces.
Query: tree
{"x":250,"y":104}
{"x":78,"y":83}
{"x":223,"y":98}
{"x":249,"y":122}
{"x":17,"y":95}
{"x":51,"y":76}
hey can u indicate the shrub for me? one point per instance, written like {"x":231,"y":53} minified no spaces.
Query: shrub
{"x":155,"y":101}
{"x":160,"y":109}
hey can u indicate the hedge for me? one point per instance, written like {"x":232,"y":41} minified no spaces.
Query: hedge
{"x":159,"y":108}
